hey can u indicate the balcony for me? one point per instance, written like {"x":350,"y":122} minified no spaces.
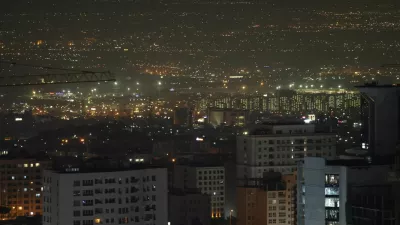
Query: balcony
{"x":134,"y":199}
{"x":148,"y":217}
{"x":134,"y":180}
{"x":98,"y":211}
{"x":98,"y":181}
{"x":134,"y":189}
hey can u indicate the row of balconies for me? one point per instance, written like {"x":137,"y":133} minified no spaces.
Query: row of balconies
{"x":133,"y":199}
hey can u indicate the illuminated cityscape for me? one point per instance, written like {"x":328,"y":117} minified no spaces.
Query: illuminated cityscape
{"x":199,"y":112}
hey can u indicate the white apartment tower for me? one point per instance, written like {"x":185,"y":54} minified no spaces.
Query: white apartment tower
{"x":78,"y":197}
{"x":208,"y":180}
{"x":278,"y":146}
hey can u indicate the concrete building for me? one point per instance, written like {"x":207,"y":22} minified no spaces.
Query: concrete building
{"x":188,"y":207}
{"x":227,"y":117}
{"x":21,"y":185}
{"x":208,"y":180}
{"x":267,"y":201}
{"x":380,"y":110}
{"x":276,"y":146}
{"x":324,"y":189}
{"x":86,"y":196}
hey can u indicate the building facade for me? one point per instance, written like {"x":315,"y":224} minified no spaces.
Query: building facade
{"x":227,"y":117}
{"x":188,"y":207}
{"x":21,"y":186}
{"x":325,"y":190}
{"x":278,"y":146}
{"x":267,"y":201}
{"x":380,"y":109}
{"x":77,"y":197}
{"x":208,"y":180}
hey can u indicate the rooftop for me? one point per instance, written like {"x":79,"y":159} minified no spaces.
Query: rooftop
{"x":376,"y":85}
{"x":103,"y":165}
{"x":22,"y":155}
{"x":375,"y":161}
{"x":199,"y":164}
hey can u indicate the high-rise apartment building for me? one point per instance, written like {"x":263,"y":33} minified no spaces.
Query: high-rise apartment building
{"x":287,"y":101}
{"x":380,"y":110}
{"x":208,"y":180}
{"x":85,"y":196}
{"x":342,"y":192}
{"x":267,"y":201}
{"x":276,"y":146}
{"x":21,"y":185}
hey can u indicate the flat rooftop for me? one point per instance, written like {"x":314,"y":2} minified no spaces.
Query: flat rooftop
{"x":375,"y":161}
{"x":376,"y":85}
{"x":85,"y":168}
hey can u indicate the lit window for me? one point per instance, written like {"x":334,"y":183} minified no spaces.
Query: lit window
{"x":12,"y":178}
{"x":97,"y":221}
{"x":37,"y":164}
{"x":37,"y":195}
{"x":332,"y":202}
{"x":26,"y":165}
{"x":31,"y":164}
{"x":25,"y":189}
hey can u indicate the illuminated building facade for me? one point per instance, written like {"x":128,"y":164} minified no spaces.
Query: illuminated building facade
{"x":278,"y":145}
{"x":77,"y":196}
{"x":336,"y":192}
{"x":286,"y":102}
{"x":21,"y":186}
{"x":227,"y":117}
{"x":208,"y":180}
{"x":267,"y":201}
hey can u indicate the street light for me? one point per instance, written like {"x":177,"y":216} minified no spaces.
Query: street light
{"x":230,"y":217}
